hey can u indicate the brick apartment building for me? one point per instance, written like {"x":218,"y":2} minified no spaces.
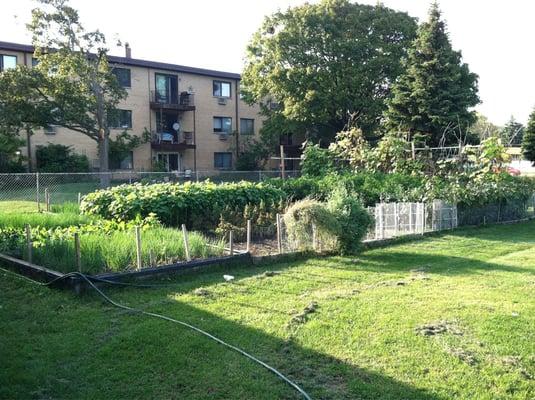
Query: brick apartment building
{"x":195,"y":116}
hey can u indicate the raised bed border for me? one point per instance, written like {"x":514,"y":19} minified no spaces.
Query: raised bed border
{"x":78,"y":284}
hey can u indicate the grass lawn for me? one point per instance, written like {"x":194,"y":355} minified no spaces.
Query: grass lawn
{"x":447,"y":317}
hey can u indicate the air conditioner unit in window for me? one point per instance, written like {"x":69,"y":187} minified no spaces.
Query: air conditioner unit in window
{"x":223,"y":136}
{"x":222,"y":101}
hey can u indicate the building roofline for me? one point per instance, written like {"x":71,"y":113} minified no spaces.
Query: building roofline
{"x":138,"y":63}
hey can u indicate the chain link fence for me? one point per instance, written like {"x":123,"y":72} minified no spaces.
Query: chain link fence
{"x":399,"y":219}
{"x":68,"y":187}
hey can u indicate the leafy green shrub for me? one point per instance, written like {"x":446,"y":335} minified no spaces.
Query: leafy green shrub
{"x":199,"y":205}
{"x":317,"y":162}
{"x":60,"y":158}
{"x":353,"y":218}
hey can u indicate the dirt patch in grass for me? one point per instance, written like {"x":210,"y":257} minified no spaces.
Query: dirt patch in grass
{"x":302,"y":317}
{"x":437,"y":328}
{"x":464,"y":355}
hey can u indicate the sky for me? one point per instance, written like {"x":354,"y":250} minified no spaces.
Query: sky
{"x":496,"y":37}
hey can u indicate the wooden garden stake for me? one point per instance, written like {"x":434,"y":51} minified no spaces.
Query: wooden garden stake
{"x":77,"y":252}
{"x":279,"y":234}
{"x":248,"y":236}
{"x":186,"y":242}
{"x":151,"y":258}
{"x":283,"y":171}
{"x":138,"y":247}
{"x":231,"y":242}
{"x":314,"y":238}
{"x":29,"y":243}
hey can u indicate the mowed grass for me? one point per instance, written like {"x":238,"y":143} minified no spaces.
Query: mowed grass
{"x":18,"y":214}
{"x":341,"y":327}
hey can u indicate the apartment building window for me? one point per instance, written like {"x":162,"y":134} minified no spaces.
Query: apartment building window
{"x":166,"y":89}
{"x":222,"y":125}
{"x":7,"y":62}
{"x":223,"y":160}
{"x":121,"y":119}
{"x":123,"y":76}
{"x":221,"y":89}
{"x":247,"y":126}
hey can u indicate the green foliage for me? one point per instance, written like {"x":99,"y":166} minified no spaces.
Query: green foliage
{"x":434,"y":94}
{"x":109,"y":246}
{"x":315,"y":161}
{"x":351,"y":146}
{"x":72,"y":86}
{"x":528,"y":142}
{"x":512,"y":133}
{"x":482,"y":129}
{"x":339,"y":224}
{"x":323,"y":63}
{"x":353,"y":218}
{"x":60,"y":158}
{"x":252,"y":154}
{"x":10,"y":158}
{"x":470,"y":189}
{"x":123,"y":144}
{"x":199,"y":205}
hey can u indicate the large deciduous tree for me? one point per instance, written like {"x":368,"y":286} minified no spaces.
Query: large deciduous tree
{"x":324,"y":65}
{"x":433,"y":97}
{"x":72,"y":85}
{"x":528,"y":141}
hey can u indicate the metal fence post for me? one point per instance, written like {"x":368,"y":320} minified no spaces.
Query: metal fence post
{"x":37,"y":191}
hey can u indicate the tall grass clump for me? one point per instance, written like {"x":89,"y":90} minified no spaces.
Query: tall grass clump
{"x":116,"y":251}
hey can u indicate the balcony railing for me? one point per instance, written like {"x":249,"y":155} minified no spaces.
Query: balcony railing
{"x":181,"y":101}
{"x":175,"y":141}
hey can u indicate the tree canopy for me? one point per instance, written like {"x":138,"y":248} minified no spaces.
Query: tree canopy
{"x":316,"y":67}
{"x":71,"y":86}
{"x":433,"y":97}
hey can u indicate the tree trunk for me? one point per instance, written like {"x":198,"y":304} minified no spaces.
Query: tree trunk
{"x":103,"y":155}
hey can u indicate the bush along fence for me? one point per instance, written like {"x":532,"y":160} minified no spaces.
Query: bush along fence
{"x":59,"y":188}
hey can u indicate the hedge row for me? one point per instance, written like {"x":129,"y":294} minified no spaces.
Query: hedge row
{"x":198,"y":205}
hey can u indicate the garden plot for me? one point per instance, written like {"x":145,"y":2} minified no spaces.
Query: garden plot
{"x":66,"y":241}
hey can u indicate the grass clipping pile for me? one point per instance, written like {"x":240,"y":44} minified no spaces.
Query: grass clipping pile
{"x":336,"y":225}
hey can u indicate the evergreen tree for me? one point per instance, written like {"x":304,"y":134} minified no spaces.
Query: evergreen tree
{"x":528,"y":141}
{"x":512,"y":133}
{"x":431,"y":99}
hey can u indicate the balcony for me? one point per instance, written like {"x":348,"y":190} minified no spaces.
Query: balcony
{"x":172,"y":101}
{"x":172,"y":142}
